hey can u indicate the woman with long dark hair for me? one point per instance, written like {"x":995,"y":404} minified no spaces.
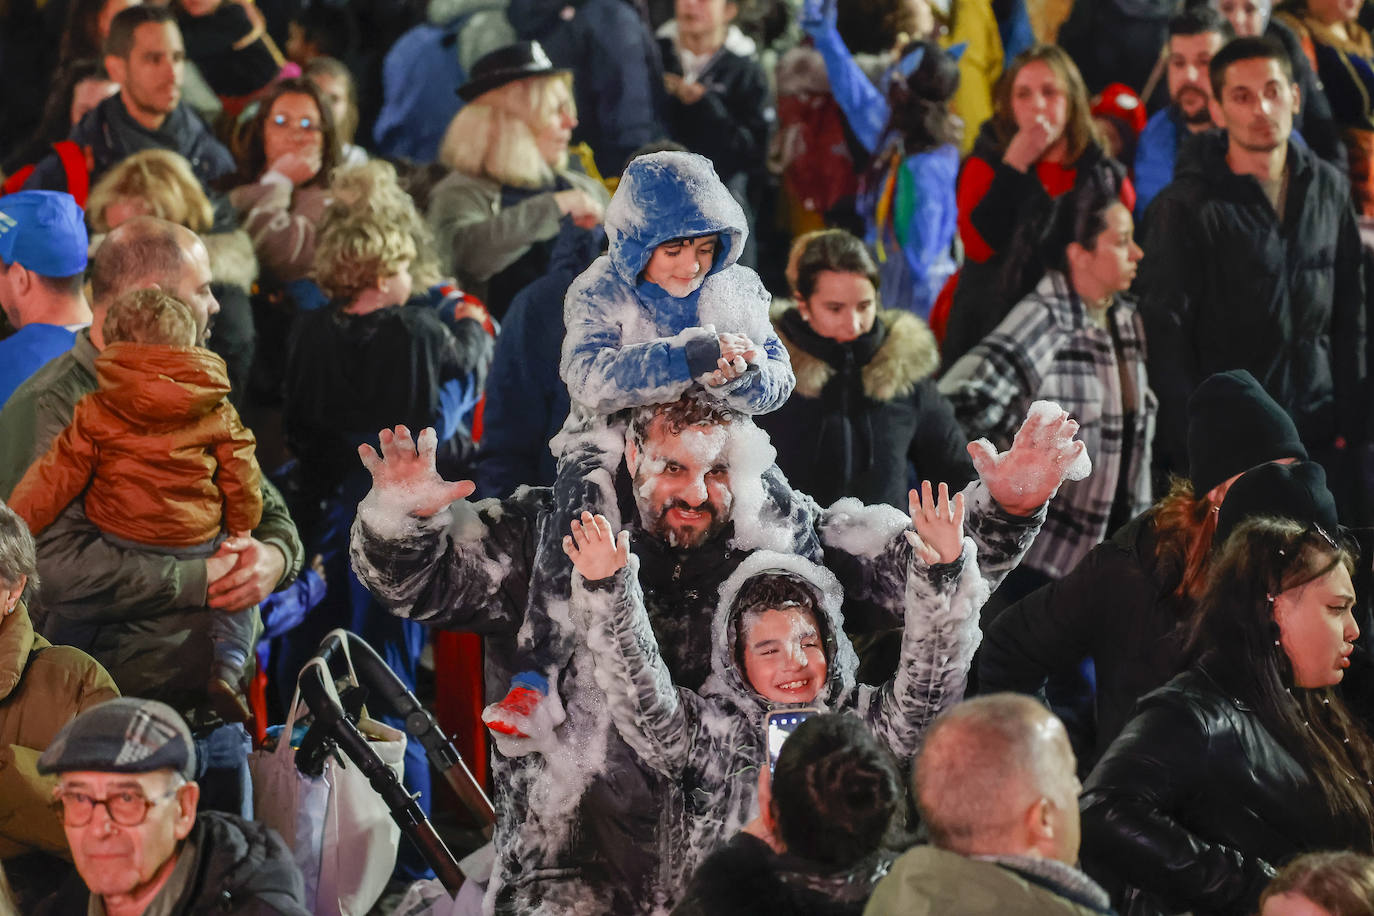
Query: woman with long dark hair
{"x":1250,"y":756}
{"x":1156,"y":566}
{"x":1074,"y":341}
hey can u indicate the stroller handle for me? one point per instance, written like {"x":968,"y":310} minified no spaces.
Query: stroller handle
{"x":332,"y":727}
{"x":395,"y":697}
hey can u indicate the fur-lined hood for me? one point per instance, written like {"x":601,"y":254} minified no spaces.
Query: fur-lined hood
{"x":908,"y":355}
{"x":232,"y":260}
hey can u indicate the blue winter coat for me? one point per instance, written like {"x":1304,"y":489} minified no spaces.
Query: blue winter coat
{"x":526,"y":400}
{"x":1155,"y":154}
{"x":423,"y":70}
{"x":628,"y":342}
{"x":420,"y":79}
{"x":915,"y":240}
{"x":616,"y":67}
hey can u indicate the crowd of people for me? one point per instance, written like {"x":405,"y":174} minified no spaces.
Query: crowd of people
{"x":978,"y":389}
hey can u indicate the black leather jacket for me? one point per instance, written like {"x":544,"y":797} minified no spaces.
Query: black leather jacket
{"x":1196,"y":804}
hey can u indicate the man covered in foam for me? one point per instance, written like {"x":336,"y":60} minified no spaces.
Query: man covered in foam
{"x":778,"y":641}
{"x":578,"y":824}
{"x":666,"y":310}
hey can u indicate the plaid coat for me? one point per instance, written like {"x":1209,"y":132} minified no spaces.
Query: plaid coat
{"x":1049,"y":349}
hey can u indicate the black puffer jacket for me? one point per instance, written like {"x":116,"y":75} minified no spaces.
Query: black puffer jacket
{"x":241,"y":868}
{"x":1227,"y":286}
{"x":862,"y":410}
{"x":1196,"y":804}
{"x":113,"y":136}
{"x":348,"y":376}
{"x":1137,"y":642}
{"x":745,"y":877}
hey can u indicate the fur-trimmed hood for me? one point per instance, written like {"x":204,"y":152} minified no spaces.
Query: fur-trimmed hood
{"x":907,"y":355}
{"x":232,"y":260}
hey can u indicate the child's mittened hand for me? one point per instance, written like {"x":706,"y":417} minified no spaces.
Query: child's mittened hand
{"x":939,"y":534}
{"x":595,"y":551}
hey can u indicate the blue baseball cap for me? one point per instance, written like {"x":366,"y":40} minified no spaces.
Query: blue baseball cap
{"x":43,"y":231}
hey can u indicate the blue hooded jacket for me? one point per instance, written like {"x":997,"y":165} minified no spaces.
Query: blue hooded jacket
{"x":629,"y":342}
{"x":924,"y":219}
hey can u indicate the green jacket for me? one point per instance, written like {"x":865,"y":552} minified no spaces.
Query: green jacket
{"x":42,"y":688}
{"x":927,"y":881}
{"x":476,"y":239}
{"x":135,"y":611}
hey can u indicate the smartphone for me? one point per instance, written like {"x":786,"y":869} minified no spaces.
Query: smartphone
{"x":780,"y":724}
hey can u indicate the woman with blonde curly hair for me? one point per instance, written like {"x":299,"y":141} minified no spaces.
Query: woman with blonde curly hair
{"x":497,"y":214}
{"x":159,"y":182}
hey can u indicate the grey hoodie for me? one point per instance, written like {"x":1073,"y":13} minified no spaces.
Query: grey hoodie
{"x":710,"y":745}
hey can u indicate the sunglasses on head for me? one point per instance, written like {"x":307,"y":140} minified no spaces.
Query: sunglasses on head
{"x":303,"y":123}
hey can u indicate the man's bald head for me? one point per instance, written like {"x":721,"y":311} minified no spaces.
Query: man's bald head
{"x":996,"y":776}
{"x":146,"y":252}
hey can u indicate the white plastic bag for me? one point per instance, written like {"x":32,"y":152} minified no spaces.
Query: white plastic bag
{"x":339,"y":829}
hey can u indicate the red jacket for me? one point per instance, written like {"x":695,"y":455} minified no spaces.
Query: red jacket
{"x":160,"y":453}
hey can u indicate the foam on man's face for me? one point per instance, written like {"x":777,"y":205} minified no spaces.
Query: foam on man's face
{"x":682,"y":483}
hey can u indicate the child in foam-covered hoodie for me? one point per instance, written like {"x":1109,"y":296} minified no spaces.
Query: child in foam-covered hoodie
{"x":665,"y":310}
{"x":777,"y":642}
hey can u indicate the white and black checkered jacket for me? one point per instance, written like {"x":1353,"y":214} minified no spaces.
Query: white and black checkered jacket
{"x":1048,"y":348}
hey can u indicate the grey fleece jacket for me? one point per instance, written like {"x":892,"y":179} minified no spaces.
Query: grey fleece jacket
{"x":714,"y":741}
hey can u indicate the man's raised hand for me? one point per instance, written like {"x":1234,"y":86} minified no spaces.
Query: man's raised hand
{"x":404,"y":474}
{"x":1042,"y":456}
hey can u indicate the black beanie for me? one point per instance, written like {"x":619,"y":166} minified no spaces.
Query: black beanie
{"x":1292,"y":491}
{"x":1234,"y":425}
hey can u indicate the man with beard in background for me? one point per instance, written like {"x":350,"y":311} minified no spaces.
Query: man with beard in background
{"x":1194,"y":36}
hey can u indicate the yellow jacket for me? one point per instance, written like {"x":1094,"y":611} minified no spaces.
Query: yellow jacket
{"x":972,"y":21}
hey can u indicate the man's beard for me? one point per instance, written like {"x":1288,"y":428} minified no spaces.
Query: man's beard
{"x":1202,"y":115}
{"x":656,"y":522}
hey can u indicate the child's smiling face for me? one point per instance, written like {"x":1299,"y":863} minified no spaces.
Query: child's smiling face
{"x":680,"y":265}
{"x":784,"y":658}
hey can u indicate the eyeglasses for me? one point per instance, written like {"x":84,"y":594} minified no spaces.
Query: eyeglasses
{"x":303,"y":123}
{"x":127,"y":809}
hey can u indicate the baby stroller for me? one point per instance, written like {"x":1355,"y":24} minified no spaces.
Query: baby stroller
{"x":335,"y":729}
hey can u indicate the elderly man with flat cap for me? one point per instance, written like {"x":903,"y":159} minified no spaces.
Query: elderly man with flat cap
{"x":127,"y":802}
